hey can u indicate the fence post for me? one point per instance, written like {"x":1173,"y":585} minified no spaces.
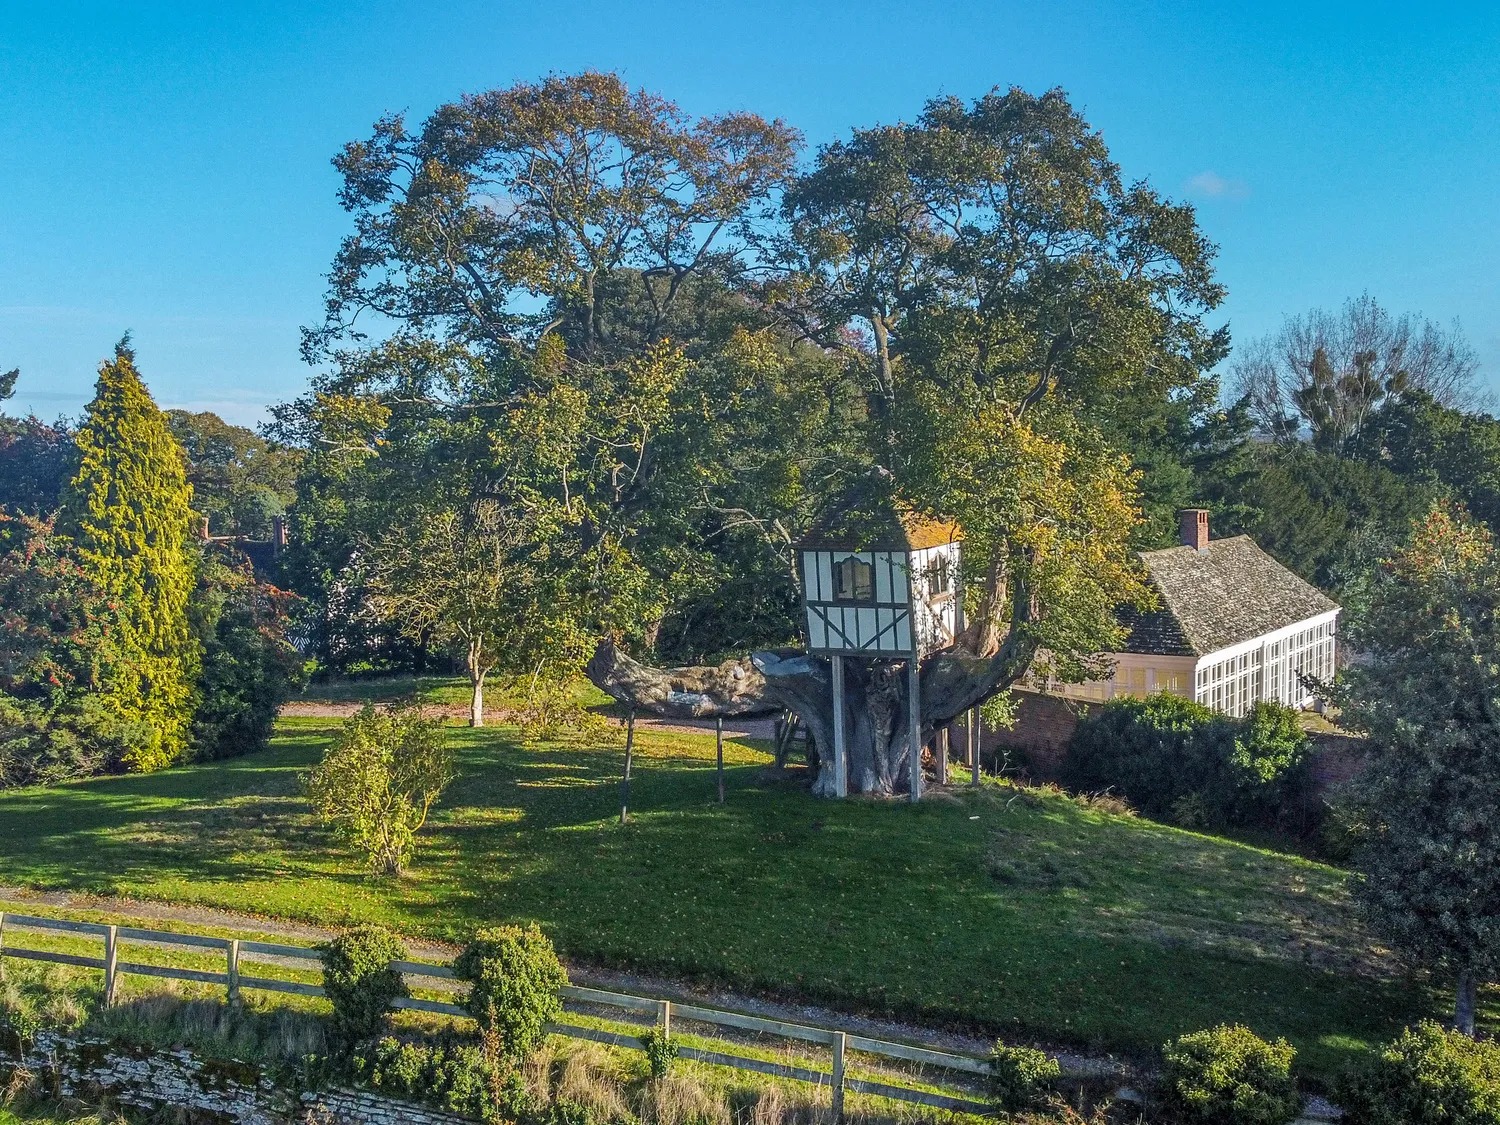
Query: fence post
{"x":233,"y":972}
{"x":839,"y":1039}
{"x":664,"y":1016}
{"x":2,"y":933}
{"x":111,"y":956}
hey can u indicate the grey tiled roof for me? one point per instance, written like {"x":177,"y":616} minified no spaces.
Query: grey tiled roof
{"x":1219,"y":597}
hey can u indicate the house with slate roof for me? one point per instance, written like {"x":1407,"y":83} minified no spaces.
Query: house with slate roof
{"x":1233,"y":627}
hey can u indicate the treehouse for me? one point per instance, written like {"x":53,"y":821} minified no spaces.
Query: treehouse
{"x":885,"y":591}
{"x":879,"y":583}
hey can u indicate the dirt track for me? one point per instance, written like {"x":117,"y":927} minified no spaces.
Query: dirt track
{"x":733,"y":728}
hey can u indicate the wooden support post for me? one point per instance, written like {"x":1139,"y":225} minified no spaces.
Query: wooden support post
{"x":914,"y":723}
{"x":719,"y":748}
{"x":233,"y":972}
{"x":839,"y":1042}
{"x":664,"y":1016}
{"x":840,"y":751}
{"x":625,"y":784}
{"x":978,"y":745}
{"x":973,"y":736}
{"x":111,"y":959}
{"x":2,"y":930}
{"x":942,"y":756}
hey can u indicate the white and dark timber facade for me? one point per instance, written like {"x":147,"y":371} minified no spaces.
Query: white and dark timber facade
{"x":890,"y":600}
{"x":1233,"y":628}
{"x":879,"y":583}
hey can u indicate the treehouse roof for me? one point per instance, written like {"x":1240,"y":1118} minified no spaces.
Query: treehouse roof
{"x":875,"y":522}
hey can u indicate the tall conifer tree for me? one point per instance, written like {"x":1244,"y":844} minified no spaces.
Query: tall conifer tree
{"x":128,"y":510}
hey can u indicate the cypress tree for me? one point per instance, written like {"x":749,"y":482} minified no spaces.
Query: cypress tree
{"x":128,"y":511}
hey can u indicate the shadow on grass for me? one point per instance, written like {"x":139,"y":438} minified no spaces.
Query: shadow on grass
{"x":1023,"y":916}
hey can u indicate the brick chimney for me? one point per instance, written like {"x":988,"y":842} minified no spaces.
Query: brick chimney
{"x":278,"y":534}
{"x":1195,"y":528}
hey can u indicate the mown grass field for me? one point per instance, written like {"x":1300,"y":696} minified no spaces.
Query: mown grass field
{"x":1021,"y":913}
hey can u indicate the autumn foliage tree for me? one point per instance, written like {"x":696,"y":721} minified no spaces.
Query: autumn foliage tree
{"x":128,"y":509}
{"x":57,"y":644}
{"x":996,"y":291}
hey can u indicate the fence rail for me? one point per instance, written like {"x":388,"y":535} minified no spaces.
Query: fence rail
{"x":234,"y":980}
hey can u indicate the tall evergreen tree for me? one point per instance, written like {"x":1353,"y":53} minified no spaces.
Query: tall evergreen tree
{"x":128,"y":510}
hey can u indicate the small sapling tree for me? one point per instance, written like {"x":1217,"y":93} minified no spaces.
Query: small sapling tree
{"x":377,"y":782}
{"x":1429,"y":699}
{"x":460,"y":576}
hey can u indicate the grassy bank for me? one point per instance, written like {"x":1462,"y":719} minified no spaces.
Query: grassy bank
{"x":1020,"y":913}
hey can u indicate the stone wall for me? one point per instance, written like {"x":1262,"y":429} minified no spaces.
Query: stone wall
{"x":203,"y":1091}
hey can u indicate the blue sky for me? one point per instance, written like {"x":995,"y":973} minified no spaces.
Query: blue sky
{"x":166,"y":169}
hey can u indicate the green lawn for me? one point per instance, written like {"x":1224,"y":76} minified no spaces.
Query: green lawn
{"x":1021,"y":913}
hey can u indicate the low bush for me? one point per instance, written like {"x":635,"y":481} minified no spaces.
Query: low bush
{"x":1021,"y":1077}
{"x":360,"y":982}
{"x":448,"y":1072}
{"x":1427,"y":1076}
{"x":660,"y":1050}
{"x":514,"y":975}
{"x":1229,"y":1076}
{"x":1177,"y":760}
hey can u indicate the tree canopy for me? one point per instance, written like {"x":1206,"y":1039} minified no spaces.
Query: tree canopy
{"x":1428,"y":697}
{"x":663,"y":348}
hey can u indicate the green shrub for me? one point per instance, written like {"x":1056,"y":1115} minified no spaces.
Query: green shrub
{"x":514,"y":975}
{"x":1177,"y":760}
{"x":1427,"y":1076}
{"x":565,"y":1111}
{"x":360,"y":982}
{"x":1230,"y":1076}
{"x":1020,"y":1076}
{"x":660,"y":1049}
{"x":448,"y":1072}
{"x":378,"y":780}
{"x":249,"y":668}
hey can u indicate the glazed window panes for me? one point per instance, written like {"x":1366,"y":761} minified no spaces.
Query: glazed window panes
{"x":939,"y":578}
{"x":854,"y":580}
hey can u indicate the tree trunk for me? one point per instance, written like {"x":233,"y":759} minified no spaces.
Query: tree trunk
{"x":477,"y":671}
{"x":1464,"y":1005}
{"x":875,"y":696}
{"x":476,"y":702}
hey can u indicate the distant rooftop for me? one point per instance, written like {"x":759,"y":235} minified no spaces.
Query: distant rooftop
{"x":1229,"y":592}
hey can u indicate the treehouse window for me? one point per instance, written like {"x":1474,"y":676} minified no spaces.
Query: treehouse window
{"x":854,"y":581}
{"x":939,"y":578}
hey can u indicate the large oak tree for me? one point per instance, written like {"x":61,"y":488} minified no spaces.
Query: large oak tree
{"x":706,"y":350}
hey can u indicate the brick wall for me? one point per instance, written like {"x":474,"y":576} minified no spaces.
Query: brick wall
{"x":1039,"y":738}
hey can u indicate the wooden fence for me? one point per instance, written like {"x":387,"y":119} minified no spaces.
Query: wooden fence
{"x":237,"y":951}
